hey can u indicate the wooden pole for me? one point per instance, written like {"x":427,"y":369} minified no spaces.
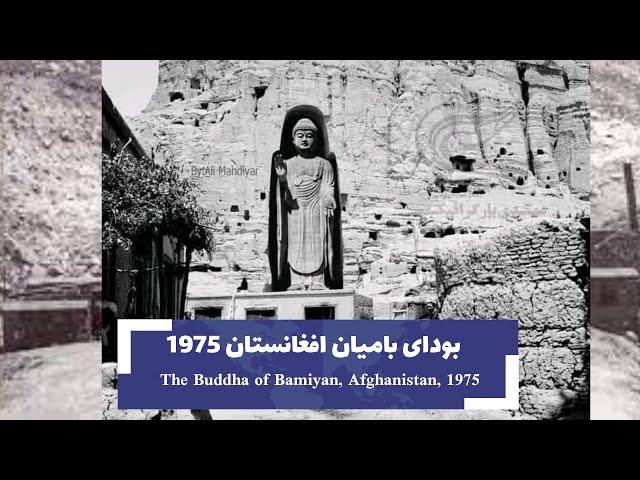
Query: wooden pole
{"x":631,"y":196}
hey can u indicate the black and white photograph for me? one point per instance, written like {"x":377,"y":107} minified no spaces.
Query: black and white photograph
{"x":615,"y":242}
{"x":50,"y":264}
{"x":347,"y":189}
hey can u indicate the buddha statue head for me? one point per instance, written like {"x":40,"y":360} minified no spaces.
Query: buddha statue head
{"x":304,"y":135}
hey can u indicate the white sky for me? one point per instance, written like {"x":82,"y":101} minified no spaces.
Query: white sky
{"x":130,"y":83}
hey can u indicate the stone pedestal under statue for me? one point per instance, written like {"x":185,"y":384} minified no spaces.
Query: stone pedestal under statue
{"x":297,"y":305}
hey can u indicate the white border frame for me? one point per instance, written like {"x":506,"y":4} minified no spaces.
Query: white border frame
{"x":511,"y":386}
{"x":512,"y":364}
{"x":128,"y":325}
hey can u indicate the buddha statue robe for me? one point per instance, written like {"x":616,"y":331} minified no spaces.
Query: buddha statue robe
{"x":305,"y":237}
{"x":310,"y":185}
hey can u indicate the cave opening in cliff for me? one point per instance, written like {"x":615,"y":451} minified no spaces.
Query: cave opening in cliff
{"x":540,"y":151}
{"x":462,"y":163}
{"x":204,"y":105}
{"x":413,"y":269}
{"x":520,"y":181}
{"x":377,"y":216}
{"x":448,"y":231}
{"x":578,"y":169}
{"x":263,"y":195}
{"x":373,"y":235}
{"x":403,"y":204}
{"x":195,"y":83}
{"x":196,"y":123}
{"x":246,"y":215}
{"x":173,"y":96}
{"x":258,"y":92}
{"x":459,"y":189}
{"x":503,"y":151}
{"x":234,"y":208}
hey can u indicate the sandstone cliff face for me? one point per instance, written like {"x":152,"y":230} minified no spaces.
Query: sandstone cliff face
{"x":50,"y":149}
{"x":395,"y":127}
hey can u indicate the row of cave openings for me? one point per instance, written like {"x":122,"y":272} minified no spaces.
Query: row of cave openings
{"x":246,"y":214}
{"x":363,"y":270}
{"x":466,"y":164}
{"x":258,"y":93}
{"x":263,"y":196}
{"x":373,"y":234}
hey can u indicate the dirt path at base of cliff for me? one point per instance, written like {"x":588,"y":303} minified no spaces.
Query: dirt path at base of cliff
{"x":53,"y":383}
{"x":615,"y":377}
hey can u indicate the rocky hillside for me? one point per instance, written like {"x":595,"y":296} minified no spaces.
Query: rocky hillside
{"x":402,"y":132}
{"x":50,"y":153}
{"x":615,"y":96}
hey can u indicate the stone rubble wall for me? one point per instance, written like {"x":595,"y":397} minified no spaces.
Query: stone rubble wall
{"x":535,"y":272}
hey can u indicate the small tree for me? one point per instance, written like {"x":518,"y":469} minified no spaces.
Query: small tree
{"x":143,"y":202}
{"x":141,"y":198}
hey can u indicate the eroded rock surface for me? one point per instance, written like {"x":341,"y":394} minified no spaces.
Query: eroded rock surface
{"x":398,"y":129}
{"x":49,"y":195}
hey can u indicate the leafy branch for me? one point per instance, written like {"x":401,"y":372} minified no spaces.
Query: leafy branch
{"x":142,"y":198}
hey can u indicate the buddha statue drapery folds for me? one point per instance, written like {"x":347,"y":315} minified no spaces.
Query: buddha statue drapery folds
{"x":305,"y":238}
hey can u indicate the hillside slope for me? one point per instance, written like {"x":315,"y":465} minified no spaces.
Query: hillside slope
{"x":50,"y":192}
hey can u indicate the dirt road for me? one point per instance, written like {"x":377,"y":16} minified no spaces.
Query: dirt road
{"x":59,"y":382}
